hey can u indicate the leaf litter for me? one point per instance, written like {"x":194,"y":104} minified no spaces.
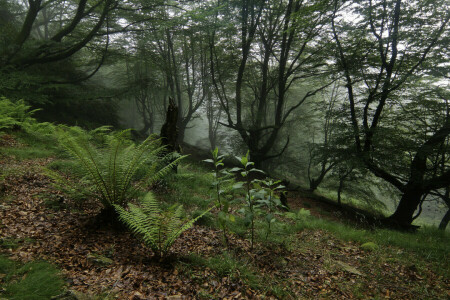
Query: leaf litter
{"x":319,"y":266}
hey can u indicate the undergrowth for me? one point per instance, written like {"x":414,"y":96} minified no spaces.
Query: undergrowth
{"x":237,"y":269}
{"x":193,"y":187}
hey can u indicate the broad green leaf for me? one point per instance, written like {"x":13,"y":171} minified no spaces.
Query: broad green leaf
{"x":257,"y":170}
{"x":238,"y":185}
{"x":244,"y":160}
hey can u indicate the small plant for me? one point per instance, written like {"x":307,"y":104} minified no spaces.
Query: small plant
{"x":221,"y":177}
{"x":157,"y":228}
{"x":250,"y":198}
{"x":112,"y":168}
{"x":269,"y":202}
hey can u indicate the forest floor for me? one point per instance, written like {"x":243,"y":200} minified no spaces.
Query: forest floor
{"x":313,"y":258}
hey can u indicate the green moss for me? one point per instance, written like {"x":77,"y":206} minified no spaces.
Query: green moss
{"x":99,"y":259}
{"x":369,"y":246}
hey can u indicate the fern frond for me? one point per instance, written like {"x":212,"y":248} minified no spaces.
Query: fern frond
{"x":164,"y":170}
{"x":114,"y":165}
{"x":156,"y":228}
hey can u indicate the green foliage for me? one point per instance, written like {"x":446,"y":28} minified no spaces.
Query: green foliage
{"x":191,"y":186}
{"x":14,"y":243}
{"x":6,"y":266}
{"x":66,"y":166}
{"x":268,"y":202}
{"x":251,"y":194}
{"x":299,"y":215}
{"x":32,"y":281}
{"x":14,"y":114}
{"x":220,"y":178}
{"x":112,"y":167}
{"x":158,"y":229}
{"x":203,"y":219}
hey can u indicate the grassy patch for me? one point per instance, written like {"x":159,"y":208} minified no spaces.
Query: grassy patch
{"x":33,"y":145}
{"x":429,"y":243}
{"x":191,"y":186}
{"x":34,"y":280}
{"x":13,"y":243}
{"x":66,"y":166}
{"x":227,"y":265}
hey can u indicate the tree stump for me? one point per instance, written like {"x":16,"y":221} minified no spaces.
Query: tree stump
{"x":169,"y":131}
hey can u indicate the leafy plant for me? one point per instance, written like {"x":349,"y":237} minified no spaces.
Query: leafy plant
{"x":158,"y":229}
{"x":250,"y":198}
{"x":112,"y":168}
{"x":220,"y":177}
{"x":268,"y":204}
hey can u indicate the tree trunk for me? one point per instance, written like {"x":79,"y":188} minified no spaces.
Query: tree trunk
{"x":148,"y":125}
{"x":403,"y":215}
{"x":341,"y":186}
{"x":169,"y":131}
{"x":212,"y":136}
{"x":445,"y":220}
{"x":181,"y":131}
{"x":255,"y":157}
{"x":314,"y":183}
{"x":417,"y":186}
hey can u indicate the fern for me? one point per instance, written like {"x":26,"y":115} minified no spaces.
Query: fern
{"x":14,"y":114}
{"x":112,"y":168}
{"x":157,"y":228}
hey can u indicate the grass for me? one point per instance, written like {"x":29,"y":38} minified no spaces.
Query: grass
{"x":228,"y":265}
{"x":13,"y":243}
{"x":191,"y":186}
{"x":32,"y":281}
{"x":33,"y":146}
{"x":428,"y":243}
{"x":70,"y":167}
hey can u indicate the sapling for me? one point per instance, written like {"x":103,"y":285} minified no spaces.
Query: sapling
{"x":249,"y":209}
{"x":270,"y":201}
{"x":220,"y":177}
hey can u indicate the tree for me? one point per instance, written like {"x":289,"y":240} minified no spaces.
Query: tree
{"x":177,"y":46}
{"x":381,"y":54}
{"x":147,"y":87}
{"x":278,"y":43}
{"x":324,"y":154}
{"x":79,"y":24}
{"x":213,"y":115}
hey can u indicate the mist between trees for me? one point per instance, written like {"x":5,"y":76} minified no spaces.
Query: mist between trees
{"x":348,"y":97}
